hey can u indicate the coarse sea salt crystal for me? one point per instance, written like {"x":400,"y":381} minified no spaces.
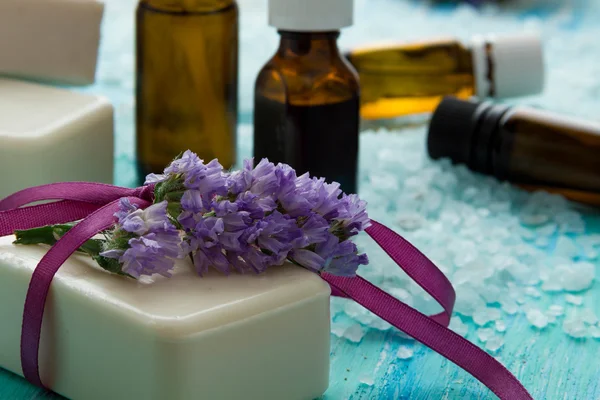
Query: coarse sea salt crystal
{"x":537,"y":318}
{"x":458,"y":326}
{"x":482,"y":316}
{"x":573,"y":299}
{"x":566,"y":247}
{"x":577,"y":276}
{"x":500,"y":326}
{"x":533,"y":292}
{"x":575,"y":328}
{"x":367,"y":380}
{"x":556,"y":310}
{"x":354,"y":333}
{"x":594,"y":331}
{"x":509,"y":306}
{"x":494,"y":344}
{"x":588,"y":316}
{"x":404,"y":352}
{"x":484,"y":334}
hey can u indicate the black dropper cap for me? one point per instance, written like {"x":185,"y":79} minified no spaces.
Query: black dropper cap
{"x":463,"y":130}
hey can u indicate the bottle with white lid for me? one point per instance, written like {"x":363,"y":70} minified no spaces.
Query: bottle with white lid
{"x":412,"y":78}
{"x":306,"y":108}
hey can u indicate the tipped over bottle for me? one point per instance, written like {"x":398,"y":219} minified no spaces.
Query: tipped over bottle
{"x":406,"y":79}
{"x":533,"y":148}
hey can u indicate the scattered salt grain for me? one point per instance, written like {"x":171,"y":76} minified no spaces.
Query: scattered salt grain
{"x":533,"y":292}
{"x":537,"y":319}
{"x":588,"y":316}
{"x":338,"y":329}
{"x":575,"y":328}
{"x":410,"y":221}
{"x":509,"y":306}
{"x":494,"y":344}
{"x":458,"y":326}
{"x":577,"y":276}
{"x":482,"y":316}
{"x":555,"y":310}
{"x":546,"y":230}
{"x":566,"y":247}
{"x":354,"y":333}
{"x":367,"y":380}
{"x":404,"y":353}
{"x":573,"y":299}
{"x":500,"y":326}
{"x":484,"y":334}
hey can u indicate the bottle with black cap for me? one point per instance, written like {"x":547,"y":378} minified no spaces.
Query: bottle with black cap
{"x":412,"y":78}
{"x":536,"y":149}
{"x":306,"y":99}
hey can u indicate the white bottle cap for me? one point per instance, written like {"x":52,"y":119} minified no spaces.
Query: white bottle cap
{"x":311,"y":15}
{"x":508,"y":66}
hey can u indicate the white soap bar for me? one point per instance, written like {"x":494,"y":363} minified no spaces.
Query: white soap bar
{"x":51,"y":135}
{"x":52,"y":40}
{"x":107,"y":337}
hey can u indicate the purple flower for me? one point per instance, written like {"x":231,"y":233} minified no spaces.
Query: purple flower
{"x":260,"y":216}
{"x":156,"y":242}
{"x":240,"y":181}
{"x":327,"y":199}
{"x":275,"y":233}
{"x":255,"y":205}
{"x":265,"y":180}
{"x":314,"y":230}
{"x":332,"y":256}
{"x":206,"y":247}
{"x":353,"y":215}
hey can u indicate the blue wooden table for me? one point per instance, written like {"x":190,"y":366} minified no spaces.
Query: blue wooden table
{"x":550,"y":364}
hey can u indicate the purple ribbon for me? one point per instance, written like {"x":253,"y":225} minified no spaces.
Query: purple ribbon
{"x":96,"y":203}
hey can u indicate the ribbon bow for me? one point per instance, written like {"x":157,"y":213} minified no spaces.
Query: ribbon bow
{"x":95,"y":204}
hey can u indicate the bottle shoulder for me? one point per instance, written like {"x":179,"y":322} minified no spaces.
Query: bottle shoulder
{"x":308,"y":81}
{"x":194,"y":6}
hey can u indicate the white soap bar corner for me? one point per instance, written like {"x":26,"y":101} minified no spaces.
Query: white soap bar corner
{"x":217,"y":337}
{"x":52,"y":135}
{"x":50,"y":40}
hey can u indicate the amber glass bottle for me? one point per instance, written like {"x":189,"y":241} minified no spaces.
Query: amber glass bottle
{"x":399,"y":80}
{"x":533,"y":148}
{"x":306,"y":108}
{"x":187,"y":81}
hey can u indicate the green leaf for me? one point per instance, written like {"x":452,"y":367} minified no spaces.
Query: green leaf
{"x":110,"y":265}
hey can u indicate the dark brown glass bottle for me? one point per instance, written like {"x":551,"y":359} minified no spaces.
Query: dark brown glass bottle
{"x":306,"y":107}
{"x":187,"y":81}
{"x":534,"y":148}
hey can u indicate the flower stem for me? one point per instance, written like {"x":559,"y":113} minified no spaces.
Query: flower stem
{"x":51,"y":234}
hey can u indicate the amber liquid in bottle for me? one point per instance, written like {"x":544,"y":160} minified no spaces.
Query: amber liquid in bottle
{"x":187,"y":81}
{"x":544,"y":151}
{"x":411,"y":79}
{"x":306,"y":109}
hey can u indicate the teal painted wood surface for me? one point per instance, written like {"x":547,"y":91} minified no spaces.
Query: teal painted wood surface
{"x":551,"y":365}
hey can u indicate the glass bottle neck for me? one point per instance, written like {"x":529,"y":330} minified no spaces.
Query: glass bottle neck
{"x":302,"y":44}
{"x":195,"y":6}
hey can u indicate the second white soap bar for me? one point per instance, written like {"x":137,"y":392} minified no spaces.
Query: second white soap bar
{"x":218,"y":337}
{"x":52,"y":135}
{"x":50,"y":40}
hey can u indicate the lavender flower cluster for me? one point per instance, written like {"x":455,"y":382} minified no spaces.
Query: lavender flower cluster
{"x":249,"y":219}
